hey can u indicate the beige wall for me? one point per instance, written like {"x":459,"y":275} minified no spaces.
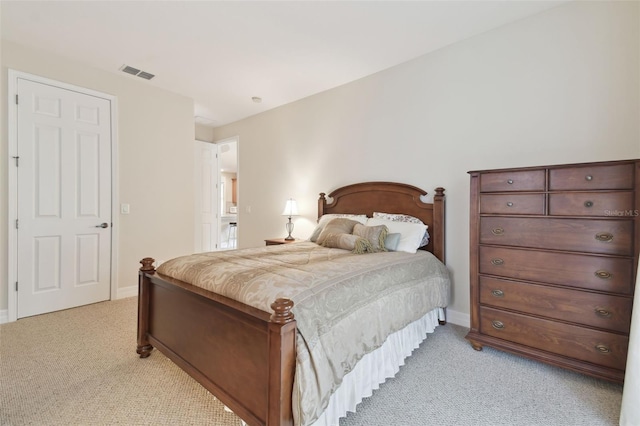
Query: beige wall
{"x":559,"y":87}
{"x":204,"y":133}
{"x":155,"y":133}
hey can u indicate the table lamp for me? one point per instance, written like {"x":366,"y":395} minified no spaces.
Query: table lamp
{"x":290,"y":209}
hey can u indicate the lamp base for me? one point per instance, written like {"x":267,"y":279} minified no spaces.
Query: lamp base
{"x":289,"y":227}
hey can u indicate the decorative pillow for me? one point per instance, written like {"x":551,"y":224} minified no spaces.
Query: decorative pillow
{"x":391,"y":242}
{"x":374,"y":234}
{"x":337,"y":226}
{"x":356,"y":244}
{"x":397,"y":217}
{"x":411,"y":233}
{"x":328,"y":217}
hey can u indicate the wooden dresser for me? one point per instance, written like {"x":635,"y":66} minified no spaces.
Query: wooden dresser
{"x":554,"y":252}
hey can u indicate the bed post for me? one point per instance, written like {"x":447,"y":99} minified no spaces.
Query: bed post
{"x":144,"y":347}
{"x":322,"y":201}
{"x":438,"y":224}
{"x":282,"y":363}
{"x":438,"y":238}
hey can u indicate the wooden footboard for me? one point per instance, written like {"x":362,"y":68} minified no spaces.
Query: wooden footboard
{"x":242,"y":355}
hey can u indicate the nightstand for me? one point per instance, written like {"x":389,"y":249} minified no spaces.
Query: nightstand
{"x":278,"y":241}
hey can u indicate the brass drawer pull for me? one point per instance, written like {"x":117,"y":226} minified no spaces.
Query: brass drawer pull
{"x":588,"y":177}
{"x":509,"y":204}
{"x":497,"y":293}
{"x":510,"y":181}
{"x":497,"y":261}
{"x":588,"y":204}
{"x":603,"y":349}
{"x":604,"y":237}
{"x":497,"y":231}
{"x":603,"y":274}
{"x":498,"y":325}
{"x":602,"y":313}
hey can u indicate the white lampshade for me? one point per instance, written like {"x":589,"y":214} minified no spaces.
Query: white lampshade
{"x":291,"y":208}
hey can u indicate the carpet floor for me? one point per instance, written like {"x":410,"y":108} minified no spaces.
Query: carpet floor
{"x":79,"y":367}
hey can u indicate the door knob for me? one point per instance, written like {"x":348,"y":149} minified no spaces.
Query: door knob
{"x":103,"y":225}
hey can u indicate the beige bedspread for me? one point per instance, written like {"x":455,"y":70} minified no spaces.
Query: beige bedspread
{"x":345,"y":304}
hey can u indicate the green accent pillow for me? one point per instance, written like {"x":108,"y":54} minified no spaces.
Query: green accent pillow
{"x":392,"y":240}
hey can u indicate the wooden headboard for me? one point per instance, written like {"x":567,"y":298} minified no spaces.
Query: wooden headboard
{"x":390,"y":197}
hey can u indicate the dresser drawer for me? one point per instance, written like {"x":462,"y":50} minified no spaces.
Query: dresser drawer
{"x":608,"y":274}
{"x":512,"y":203}
{"x":619,"y":176}
{"x":592,"y":309}
{"x":584,"y":235}
{"x":591,"y":203}
{"x":531,"y":180}
{"x":595,"y":346}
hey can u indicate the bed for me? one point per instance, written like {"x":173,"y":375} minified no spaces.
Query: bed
{"x":246,"y":356}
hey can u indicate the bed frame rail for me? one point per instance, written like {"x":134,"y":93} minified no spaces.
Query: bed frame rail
{"x":244,"y":356}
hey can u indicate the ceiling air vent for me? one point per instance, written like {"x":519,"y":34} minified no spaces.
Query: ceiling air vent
{"x":130,"y":70}
{"x":145,"y":75}
{"x":136,"y":72}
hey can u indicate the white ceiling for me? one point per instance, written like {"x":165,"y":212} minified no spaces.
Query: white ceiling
{"x":222,"y":54}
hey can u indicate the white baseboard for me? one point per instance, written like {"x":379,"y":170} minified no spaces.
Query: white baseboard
{"x":124,"y":292}
{"x":458,"y":318}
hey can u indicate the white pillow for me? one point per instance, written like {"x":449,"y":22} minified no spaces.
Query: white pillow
{"x":362,"y":218}
{"x":410,"y":233}
{"x":398,"y":217}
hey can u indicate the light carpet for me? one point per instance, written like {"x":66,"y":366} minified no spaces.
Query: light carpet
{"x":79,"y":367}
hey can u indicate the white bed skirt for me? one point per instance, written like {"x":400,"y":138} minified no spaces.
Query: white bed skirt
{"x":376,"y":367}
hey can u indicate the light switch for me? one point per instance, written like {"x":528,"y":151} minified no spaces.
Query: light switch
{"x":124,"y":208}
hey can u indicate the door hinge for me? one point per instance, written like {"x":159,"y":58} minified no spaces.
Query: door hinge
{"x":17,"y":160}
{"x":16,"y":99}
{"x":16,"y":223}
{"x":16,"y":285}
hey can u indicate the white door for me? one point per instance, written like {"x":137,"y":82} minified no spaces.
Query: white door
{"x":206,"y":168}
{"x":64,"y":198}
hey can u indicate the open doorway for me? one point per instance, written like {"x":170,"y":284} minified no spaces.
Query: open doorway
{"x":217,"y":189}
{"x":228,"y":193}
